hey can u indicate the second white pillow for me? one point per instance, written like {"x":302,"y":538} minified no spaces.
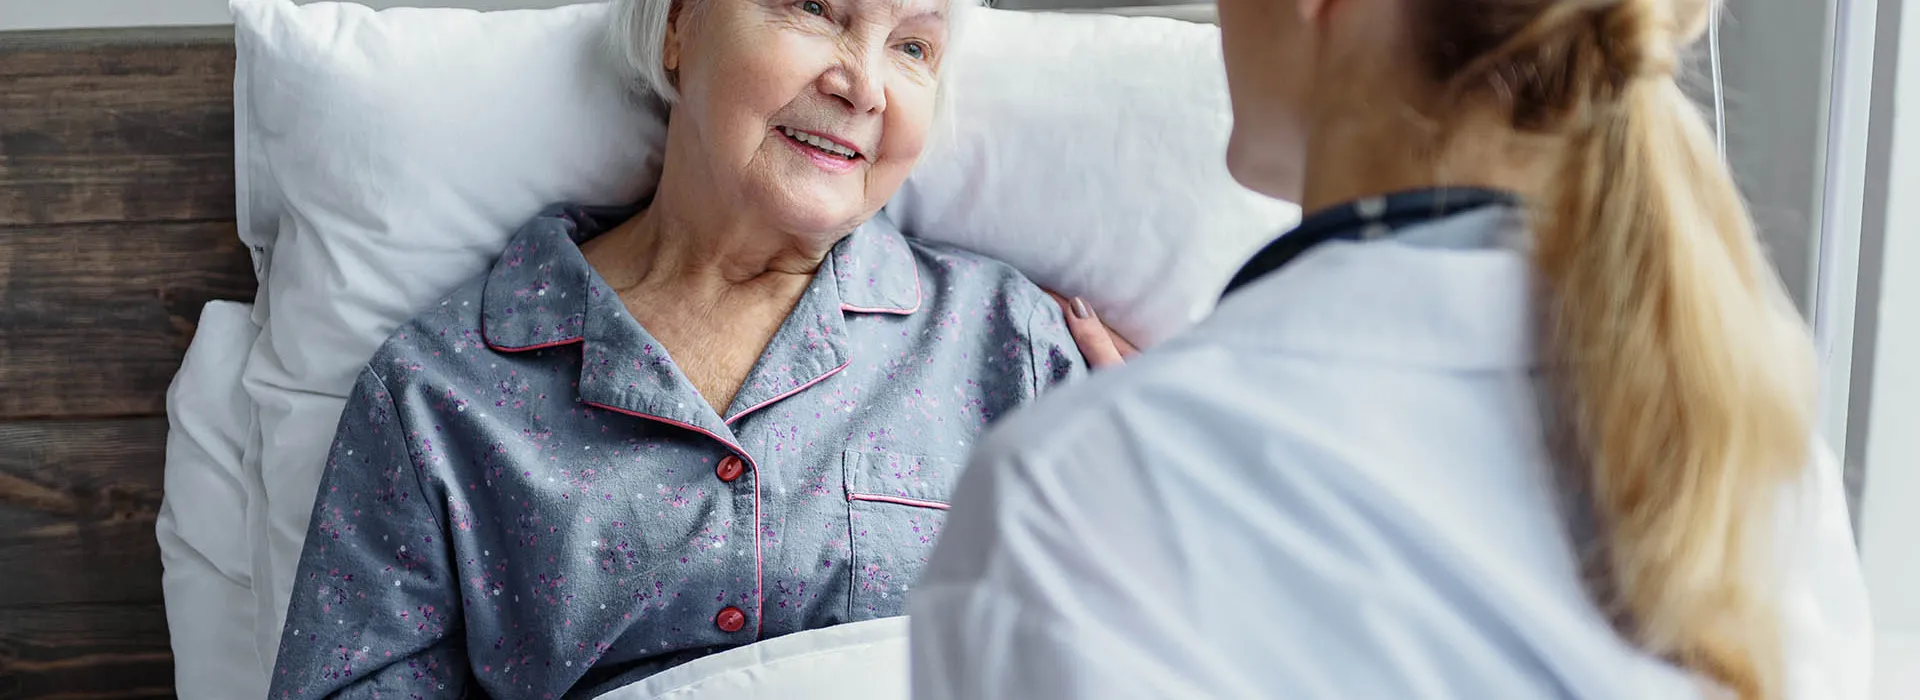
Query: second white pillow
{"x":1089,"y":151}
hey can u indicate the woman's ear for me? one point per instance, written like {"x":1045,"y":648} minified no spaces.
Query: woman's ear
{"x":670,"y":44}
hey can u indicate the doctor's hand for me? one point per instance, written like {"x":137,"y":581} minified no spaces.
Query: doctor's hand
{"x":1099,"y":344}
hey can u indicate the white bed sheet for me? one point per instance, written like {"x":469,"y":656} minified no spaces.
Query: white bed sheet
{"x":203,"y":525}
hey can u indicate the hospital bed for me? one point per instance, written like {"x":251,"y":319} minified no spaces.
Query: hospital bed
{"x":117,"y":228}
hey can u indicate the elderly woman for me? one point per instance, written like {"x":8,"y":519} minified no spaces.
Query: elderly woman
{"x":647,"y":435}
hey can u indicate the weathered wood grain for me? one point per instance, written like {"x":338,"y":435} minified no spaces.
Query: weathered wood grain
{"x":116,"y":209}
{"x":94,"y":318}
{"x":85,"y":652}
{"x":77,"y":508}
{"x":127,"y":125}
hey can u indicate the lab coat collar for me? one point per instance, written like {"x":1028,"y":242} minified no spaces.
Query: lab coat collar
{"x":1453,"y":294}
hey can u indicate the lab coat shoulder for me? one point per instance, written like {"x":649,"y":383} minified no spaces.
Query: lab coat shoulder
{"x":1148,"y":533}
{"x":1062,"y":457}
{"x":1826,"y":625}
{"x":1056,"y":520}
{"x":1344,"y":500}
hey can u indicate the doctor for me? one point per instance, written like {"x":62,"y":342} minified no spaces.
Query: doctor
{"x":1518,"y":411}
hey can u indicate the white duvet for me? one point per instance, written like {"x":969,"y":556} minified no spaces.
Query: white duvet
{"x":858,"y":661}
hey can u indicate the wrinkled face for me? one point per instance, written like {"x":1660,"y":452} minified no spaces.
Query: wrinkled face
{"x":810,"y":112}
{"x":1269,"y":50}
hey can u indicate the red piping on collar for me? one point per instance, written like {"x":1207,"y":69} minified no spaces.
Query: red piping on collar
{"x":488,"y":339}
{"x":796,"y":390}
{"x":669,"y":421}
{"x":917,"y":299}
{"x":529,"y":348}
{"x":759,"y":562}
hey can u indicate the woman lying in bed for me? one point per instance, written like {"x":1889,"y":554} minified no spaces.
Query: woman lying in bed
{"x":648,"y":435}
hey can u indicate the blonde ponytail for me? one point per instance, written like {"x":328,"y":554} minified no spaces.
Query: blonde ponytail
{"x":1685,"y":375}
{"x":1687,"y":382}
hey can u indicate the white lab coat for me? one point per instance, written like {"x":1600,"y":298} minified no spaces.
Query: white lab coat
{"x":1334,"y":488}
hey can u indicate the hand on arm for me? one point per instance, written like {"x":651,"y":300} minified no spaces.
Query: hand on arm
{"x":1099,"y":344}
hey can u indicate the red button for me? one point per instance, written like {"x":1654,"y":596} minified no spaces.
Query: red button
{"x":730,"y":619}
{"x":730,"y":468}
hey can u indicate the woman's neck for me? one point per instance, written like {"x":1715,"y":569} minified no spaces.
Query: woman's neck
{"x":713,"y":291}
{"x":703,"y":255}
{"x":1350,"y":158}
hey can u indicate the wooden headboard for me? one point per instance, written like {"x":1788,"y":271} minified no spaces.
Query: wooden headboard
{"x":116,"y":225}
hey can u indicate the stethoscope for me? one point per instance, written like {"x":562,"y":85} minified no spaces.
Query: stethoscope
{"x":1367,"y":219}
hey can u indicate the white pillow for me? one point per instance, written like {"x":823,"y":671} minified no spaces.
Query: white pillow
{"x":382,"y":159}
{"x":386,"y":157}
{"x":1089,"y":151}
{"x":203,"y":522}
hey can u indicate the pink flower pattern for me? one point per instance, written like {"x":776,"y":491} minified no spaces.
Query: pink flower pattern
{"x":522,"y":496}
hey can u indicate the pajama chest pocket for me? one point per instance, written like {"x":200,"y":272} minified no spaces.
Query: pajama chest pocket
{"x":896,"y":504}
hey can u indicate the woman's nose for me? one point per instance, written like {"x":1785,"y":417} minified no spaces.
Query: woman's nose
{"x":857,"y":80}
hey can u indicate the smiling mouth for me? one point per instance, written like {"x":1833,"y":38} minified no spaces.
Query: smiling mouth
{"x":819,"y":143}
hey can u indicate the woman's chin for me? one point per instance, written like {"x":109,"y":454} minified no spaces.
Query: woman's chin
{"x":822,"y":219}
{"x":817,"y":210}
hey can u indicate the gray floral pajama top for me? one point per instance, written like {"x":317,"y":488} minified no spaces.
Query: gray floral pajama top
{"x":527,"y":499}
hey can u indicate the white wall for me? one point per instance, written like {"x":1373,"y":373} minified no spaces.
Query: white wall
{"x":68,"y":14}
{"x":1889,"y":519}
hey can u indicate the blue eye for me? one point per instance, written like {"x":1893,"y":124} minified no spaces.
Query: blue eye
{"x":813,"y":7}
{"x":915,"y":50}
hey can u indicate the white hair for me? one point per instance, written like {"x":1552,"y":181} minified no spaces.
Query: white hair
{"x":637,"y":35}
